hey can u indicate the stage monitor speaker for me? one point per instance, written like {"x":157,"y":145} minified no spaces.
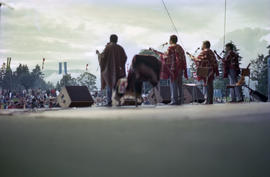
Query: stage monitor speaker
{"x":165,"y":93}
{"x":75,"y":96}
{"x":195,"y":91}
{"x":188,"y":91}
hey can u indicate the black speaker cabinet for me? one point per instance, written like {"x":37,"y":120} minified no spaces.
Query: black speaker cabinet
{"x":193,"y":94}
{"x":75,"y":96}
{"x":165,"y":93}
{"x":188,"y":91}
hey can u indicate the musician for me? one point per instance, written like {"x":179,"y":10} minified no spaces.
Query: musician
{"x":207,"y":59}
{"x":112,"y":63}
{"x":174,"y":67}
{"x":232,"y":70}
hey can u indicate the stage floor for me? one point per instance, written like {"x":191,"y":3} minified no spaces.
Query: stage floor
{"x":230,"y":140}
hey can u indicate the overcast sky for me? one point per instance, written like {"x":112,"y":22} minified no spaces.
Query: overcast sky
{"x":71,"y":30}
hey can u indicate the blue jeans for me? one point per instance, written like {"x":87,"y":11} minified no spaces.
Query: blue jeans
{"x":176,"y":89}
{"x":235,"y":92}
{"x":109,"y":95}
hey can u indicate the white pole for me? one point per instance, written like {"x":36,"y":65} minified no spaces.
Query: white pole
{"x":225,"y":22}
{"x":269,"y":79}
{"x":0,"y":20}
{"x":0,"y":17}
{"x":1,"y":29}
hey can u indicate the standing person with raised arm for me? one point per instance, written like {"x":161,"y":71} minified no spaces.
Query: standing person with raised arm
{"x":174,"y":67}
{"x":207,"y":59}
{"x":112,"y":63}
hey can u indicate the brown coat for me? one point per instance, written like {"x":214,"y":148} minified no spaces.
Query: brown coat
{"x":112,"y":65}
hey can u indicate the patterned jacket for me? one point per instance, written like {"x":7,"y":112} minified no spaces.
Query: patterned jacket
{"x":173,"y":61}
{"x":207,"y":58}
{"x":231,"y":61}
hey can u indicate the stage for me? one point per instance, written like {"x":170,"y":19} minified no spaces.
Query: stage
{"x":230,"y":140}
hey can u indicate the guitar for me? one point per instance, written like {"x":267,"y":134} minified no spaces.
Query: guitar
{"x":257,"y":95}
{"x":245,"y":72}
{"x":218,"y":55}
{"x":192,"y":57}
{"x":157,"y":52}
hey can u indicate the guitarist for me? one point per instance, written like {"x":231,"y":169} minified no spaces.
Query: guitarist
{"x":232,"y":71}
{"x":207,"y":59}
{"x":174,"y":67}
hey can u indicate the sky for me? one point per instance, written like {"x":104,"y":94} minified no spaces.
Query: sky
{"x":72,"y":30}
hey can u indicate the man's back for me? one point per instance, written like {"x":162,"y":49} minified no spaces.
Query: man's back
{"x":208,"y":58}
{"x":113,"y":62}
{"x":115,"y":55}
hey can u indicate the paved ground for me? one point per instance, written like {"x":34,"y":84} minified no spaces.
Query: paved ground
{"x":190,"y":141}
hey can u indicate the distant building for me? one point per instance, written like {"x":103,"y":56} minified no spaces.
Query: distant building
{"x":60,"y":68}
{"x":65,"y":67}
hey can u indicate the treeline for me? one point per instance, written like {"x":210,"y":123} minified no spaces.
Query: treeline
{"x":22,"y":78}
{"x":259,"y":72}
{"x":85,"y":79}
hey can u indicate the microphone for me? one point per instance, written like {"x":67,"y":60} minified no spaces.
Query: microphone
{"x":222,"y":52}
{"x":197,"y":50}
{"x":164,"y":44}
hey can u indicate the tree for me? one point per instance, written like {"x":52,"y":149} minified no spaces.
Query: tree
{"x":36,"y":73}
{"x":7,"y":80}
{"x":89,"y":80}
{"x":37,"y":79}
{"x":22,"y":78}
{"x":2,"y":73}
{"x":67,"y":80}
{"x":259,"y":72}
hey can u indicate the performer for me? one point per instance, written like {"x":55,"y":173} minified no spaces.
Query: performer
{"x":174,"y":67}
{"x":232,"y":70}
{"x":207,"y":59}
{"x":112,"y":63}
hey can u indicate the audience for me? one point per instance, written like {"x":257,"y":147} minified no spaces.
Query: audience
{"x":28,"y":99}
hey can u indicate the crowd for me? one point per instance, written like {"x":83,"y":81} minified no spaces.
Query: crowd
{"x":28,"y":99}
